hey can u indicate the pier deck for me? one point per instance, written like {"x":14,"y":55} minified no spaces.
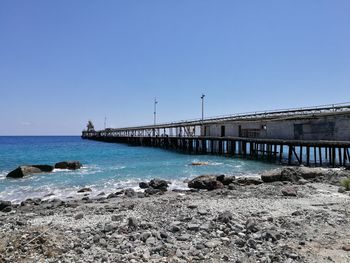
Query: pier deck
{"x":325,"y":123}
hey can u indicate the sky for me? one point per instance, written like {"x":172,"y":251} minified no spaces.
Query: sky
{"x":65,"y":62}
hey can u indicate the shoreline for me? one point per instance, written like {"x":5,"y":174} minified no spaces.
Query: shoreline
{"x":238,"y":223}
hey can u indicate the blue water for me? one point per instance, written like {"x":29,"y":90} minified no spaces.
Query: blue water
{"x":106,"y":167}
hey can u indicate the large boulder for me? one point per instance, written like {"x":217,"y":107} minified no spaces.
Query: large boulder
{"x":271,"y":176}
{"x":71,"y":165}
{"x":208,"y":182}
{"x":4,"y":205}
{"x":159,"y":184}
{"x":44,"y":167}
{"x":22,"y":171}
{"x":293,"y":174}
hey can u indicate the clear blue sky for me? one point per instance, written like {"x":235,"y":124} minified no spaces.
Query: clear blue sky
{"x":65,"y":62}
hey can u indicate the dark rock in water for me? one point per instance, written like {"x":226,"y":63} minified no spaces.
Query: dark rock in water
{"x":208,"y":182}
{"x":22,"y":171}
{"x":4,"y":204}
{"x":71,"y":165}
{"x":143,"y":185}
{"x":289,"y":191}
{"x":84,"y":190}
{"x":44,"y":167}
{"x":159,"y":184}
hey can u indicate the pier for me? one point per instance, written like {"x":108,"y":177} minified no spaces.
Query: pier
{"x":313,"y":136}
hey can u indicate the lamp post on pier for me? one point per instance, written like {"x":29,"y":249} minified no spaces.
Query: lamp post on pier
{"x":202,"y":98}
{"x":155,"y":110}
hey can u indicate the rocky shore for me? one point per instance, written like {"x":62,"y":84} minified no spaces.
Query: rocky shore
{"x":288,"y":215}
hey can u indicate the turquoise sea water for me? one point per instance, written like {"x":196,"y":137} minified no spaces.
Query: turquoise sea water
{"x":106,"y":166}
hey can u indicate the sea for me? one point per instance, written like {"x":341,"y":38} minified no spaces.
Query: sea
{"x":107,"y":167}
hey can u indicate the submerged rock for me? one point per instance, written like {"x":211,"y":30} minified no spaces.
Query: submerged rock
{"x":199,"y":163}
{"x":71,"y":165}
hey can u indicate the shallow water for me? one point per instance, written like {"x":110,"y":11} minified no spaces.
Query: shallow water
{"x":106,"y":166}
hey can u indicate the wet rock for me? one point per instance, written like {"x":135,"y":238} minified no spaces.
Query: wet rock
{"x":70,"y":165}
{"x":289,"y":191}
{"x":143,"y":185}
{"x":22,"y":171}
{"x":45,"y":168}
{"x":199,"y":163}
{"x":84,"y":190}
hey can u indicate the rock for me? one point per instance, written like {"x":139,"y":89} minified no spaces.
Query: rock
{"x":71,"y":165}
{"x":84,"y":190}
{"x":159,"y":184}
{"x":132,"y":222}
{"x":208,"y":182}
{"x":240,"y":242}
{"x":22,"y":171}
{"x":7,"y":209}
{"x":303,"y":181}
{"x":341,"y":190}
{"x":271,"y":176}
{"x":152,"y":191}
{"x":145,"y":235}
{"x":4,"y":204}
{"x":212,"y":243}
{"x":225,"y":217}
{"x":116,"y":217}
{"x":78,"y":216}
{"x":248,"y":181}
{"x":44,"y":167}
{"x":199,"y":163}
{"x":130,"y":192}
{"x":251,"y":225}
{"x":143,"y":185}
{"x":289,"y":191}
{"x":226,"y":180}
{"x":193,"y":227}
{"x":346,"y":247}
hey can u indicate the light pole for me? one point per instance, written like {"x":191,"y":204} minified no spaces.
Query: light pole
{"x":202,"y":128}
{"x":202,"y":98}
{"x":155,"y":110}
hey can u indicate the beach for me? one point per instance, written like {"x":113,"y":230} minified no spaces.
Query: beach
{"x":242,"y":222}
